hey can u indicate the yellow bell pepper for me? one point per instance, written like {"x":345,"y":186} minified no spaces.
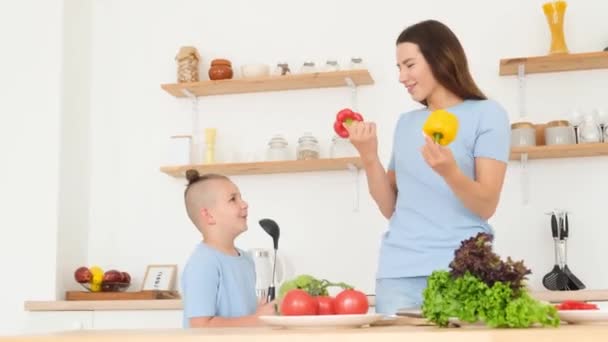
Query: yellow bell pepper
{"x":441,"y":126}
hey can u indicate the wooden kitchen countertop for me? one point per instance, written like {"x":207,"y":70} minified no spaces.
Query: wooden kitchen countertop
{"x":580,"y":333}
{"x":176,"y":304}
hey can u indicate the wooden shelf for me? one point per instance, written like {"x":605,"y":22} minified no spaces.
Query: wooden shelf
{"x":287,"y":166}
{"x":555,"y":63}
{"x":560,"y":151}
{"x":271,"y":83}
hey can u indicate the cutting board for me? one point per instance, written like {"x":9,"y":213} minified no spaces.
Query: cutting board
{"x":143,"y":295}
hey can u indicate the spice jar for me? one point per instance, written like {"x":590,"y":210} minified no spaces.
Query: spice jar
{"x":308,"y":147}
{"x":331,"y":65}
{"x":277,"y":149}
{"x":187,"y":64}
{"x":357,"y":63}
{"x":308,"y":67}
{"x":221,"y":69}
{"x":341,"y":148}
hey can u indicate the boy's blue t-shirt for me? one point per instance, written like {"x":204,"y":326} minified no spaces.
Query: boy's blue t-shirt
{"x":429,"y":221}
{"x":217,"y":284}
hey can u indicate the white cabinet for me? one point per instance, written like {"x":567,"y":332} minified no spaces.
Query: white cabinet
{"x":51,"y":321}
{"x":137,"y":319}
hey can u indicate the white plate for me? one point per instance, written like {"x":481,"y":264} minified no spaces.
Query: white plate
{"x":583,"y":316}
{"x":321,"y":320}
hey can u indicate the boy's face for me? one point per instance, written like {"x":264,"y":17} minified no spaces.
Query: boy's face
{"x":229,"y":211}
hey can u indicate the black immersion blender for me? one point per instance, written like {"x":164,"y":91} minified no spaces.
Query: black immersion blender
{"x":272,"y":228}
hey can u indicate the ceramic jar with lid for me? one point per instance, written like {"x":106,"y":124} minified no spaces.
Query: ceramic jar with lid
{"x":221,"y":69}
{"x":523,"y":134}
{"x":308,"y":147}
{"x":559,"y":132}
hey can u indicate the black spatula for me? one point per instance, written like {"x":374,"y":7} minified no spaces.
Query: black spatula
{"x":272,"y":228}
{"x":556,"y":279}
{"x":573,"y":282}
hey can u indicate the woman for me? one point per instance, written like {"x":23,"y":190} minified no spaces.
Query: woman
{"x":434,"y":196}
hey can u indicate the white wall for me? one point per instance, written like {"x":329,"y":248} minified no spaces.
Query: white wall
{"x":139,"y":210}
{"x":136,"y":214}
{"x":73,"y":211}
{"x":30,"y":92}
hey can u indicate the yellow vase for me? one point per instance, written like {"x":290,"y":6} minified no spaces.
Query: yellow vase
{"x":555,"y":11}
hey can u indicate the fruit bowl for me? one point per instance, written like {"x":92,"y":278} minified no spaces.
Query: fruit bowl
{"x":108,"y":287}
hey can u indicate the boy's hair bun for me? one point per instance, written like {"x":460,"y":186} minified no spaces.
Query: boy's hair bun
{"x":192,"y":176}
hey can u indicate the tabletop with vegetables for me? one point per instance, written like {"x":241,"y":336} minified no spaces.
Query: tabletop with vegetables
{"x":479,"y":287}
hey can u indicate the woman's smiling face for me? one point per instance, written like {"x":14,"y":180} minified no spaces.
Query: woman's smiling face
{"x":414,"y":72}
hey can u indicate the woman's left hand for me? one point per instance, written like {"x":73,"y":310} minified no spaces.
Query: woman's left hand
{"x":438,"y":157}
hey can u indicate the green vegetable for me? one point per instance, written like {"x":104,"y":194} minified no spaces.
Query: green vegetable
{"x":310,"y":284}
{"x":475,"y":256}
{"x":481,"y":287}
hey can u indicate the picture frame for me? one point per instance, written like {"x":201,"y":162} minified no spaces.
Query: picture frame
{"x":159,"y":278}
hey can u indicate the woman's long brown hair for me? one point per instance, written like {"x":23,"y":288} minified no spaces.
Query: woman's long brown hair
{"x":445,"y":56}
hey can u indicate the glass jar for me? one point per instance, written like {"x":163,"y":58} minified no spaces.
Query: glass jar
{"x":308,"y":147}
{"x":308,"y":67}
{"x":277,"y":149}
{"x":331,"y":65}
{"x":342,"y":148}
{"x":589,"y":131}
{"x":357,"y":63}
{"x":187,"y":64}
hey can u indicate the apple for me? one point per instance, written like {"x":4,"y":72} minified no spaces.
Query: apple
{"x":126,"y":278}
{"x":112,"y":276}
{"x":83,"y":275}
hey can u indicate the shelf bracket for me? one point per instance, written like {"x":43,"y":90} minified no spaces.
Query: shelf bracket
{"x":521,"y":79}
{"x":353,"y":92}
{"x":525,"y":183}
{"x":355,"y":171}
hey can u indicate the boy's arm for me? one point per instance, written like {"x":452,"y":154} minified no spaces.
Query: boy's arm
{"x":200,"y":286}
{"x":204,"y":322}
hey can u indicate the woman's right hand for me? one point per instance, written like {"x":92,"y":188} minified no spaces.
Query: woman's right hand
{"x":363,"y":137}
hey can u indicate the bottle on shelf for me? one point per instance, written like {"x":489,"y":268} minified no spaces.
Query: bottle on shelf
{"x":210,"y":134}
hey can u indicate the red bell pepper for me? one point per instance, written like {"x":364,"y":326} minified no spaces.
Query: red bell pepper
{"x":576,"y":305}
{"x":344,"y":118}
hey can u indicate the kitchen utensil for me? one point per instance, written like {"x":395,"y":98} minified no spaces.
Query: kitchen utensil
{"x":556,"y":279}
{"x":272,"y":228}
{"x":573,"y":282}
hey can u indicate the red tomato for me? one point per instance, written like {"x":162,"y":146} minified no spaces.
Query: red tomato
{"x":349,"y":302}
{"x":575,"y":305}
{"x":298,"y":303}
{"x":326,"y":305}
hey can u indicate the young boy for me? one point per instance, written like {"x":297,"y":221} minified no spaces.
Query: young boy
{"x":218,"y":281}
